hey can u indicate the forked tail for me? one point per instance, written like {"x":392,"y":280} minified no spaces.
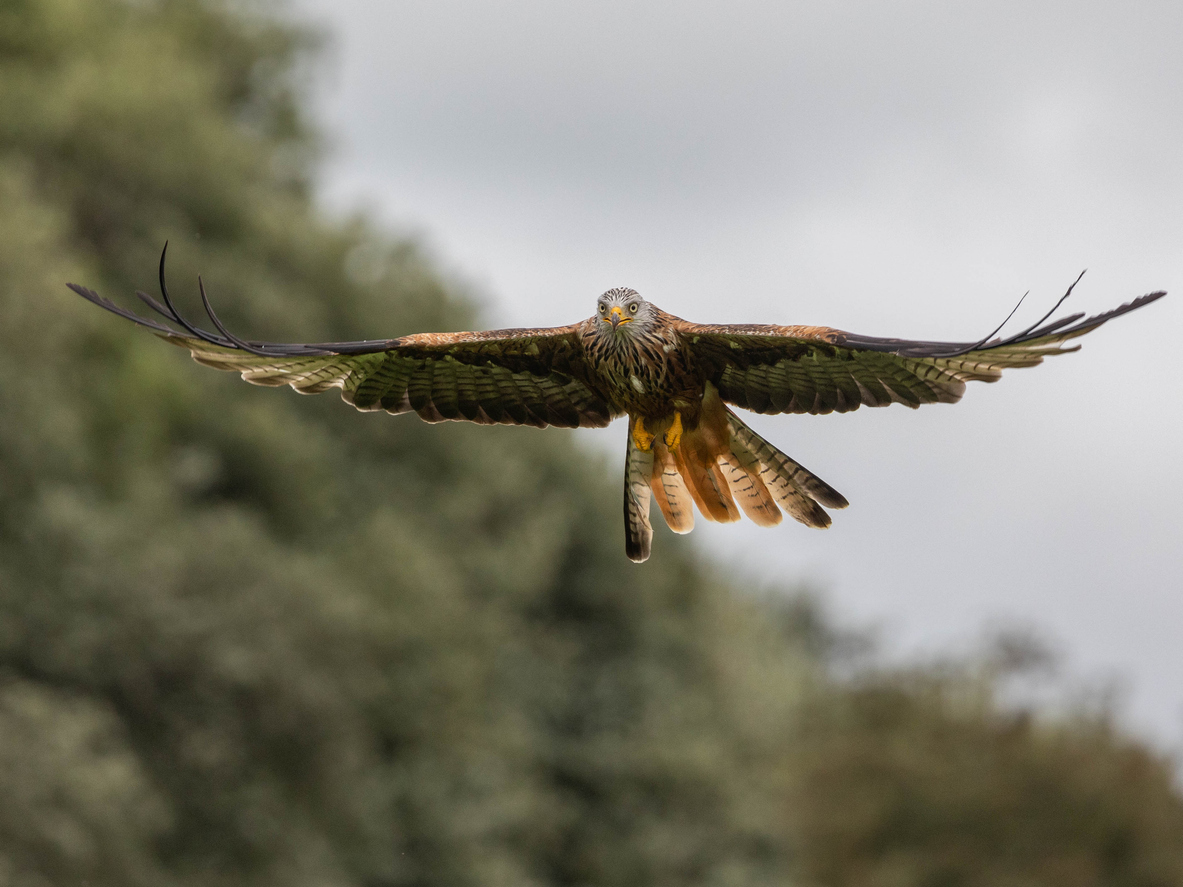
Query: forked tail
{"x":723,"y":467}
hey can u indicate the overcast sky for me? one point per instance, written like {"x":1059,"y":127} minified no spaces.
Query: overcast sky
{"x":890,"y":168}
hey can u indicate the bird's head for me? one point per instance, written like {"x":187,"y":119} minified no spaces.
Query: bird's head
{"x":622,"y":313}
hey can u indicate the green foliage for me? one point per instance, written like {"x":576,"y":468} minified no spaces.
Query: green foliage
{"x":248,"y":638}
{"x":923,"y":779}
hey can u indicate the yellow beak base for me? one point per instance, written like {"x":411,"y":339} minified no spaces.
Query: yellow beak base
{"x":616,"y":317}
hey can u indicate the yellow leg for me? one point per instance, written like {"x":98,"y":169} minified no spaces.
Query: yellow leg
{"x":642,"y":439}
{"x":673,"y":435}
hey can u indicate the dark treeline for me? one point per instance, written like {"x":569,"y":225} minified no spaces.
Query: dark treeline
{"x":248,"y":638}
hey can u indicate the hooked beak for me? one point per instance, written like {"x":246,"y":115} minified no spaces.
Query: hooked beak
{"x":616,"y":317}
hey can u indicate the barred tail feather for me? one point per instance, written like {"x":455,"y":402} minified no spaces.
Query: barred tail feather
{"x":749,"y":490}
{"x":723,"y":467}
{"x":638,"y":531}
{"x":705,"y":479}
{"x":669,"y":490}
{"x":799,"y":491}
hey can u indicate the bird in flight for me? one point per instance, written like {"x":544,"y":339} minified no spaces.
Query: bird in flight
{"x":675,"y":380}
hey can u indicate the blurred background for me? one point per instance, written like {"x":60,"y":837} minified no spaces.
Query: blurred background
{"x":251,"y":638}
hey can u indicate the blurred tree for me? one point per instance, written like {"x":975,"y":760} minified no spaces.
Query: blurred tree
{"x":257,"y":639}
{"x":250,"y":639}
{"x":923,"y":778}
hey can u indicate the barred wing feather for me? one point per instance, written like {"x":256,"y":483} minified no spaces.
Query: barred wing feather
{"x":775,"y":369}
{"x":455,"y":381}
{"x":512,"y":377}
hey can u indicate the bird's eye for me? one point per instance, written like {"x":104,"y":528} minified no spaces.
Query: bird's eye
{"x":632,"y":308}
{"x":603,"y":307}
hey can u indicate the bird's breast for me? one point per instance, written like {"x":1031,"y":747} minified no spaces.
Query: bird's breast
{"x":643,"y":377}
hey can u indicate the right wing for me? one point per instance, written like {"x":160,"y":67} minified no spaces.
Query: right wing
{"x":510,"y":377}
{"x":773,"y":369}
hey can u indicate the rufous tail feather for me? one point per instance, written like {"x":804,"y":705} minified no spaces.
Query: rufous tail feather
{"x":798,"y":490}
{"x":670,"y":492}
{"x":722,"y":467}
{"x":697,"y":460}
{"x":749,"y":490}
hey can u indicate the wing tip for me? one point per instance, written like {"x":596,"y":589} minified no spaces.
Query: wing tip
{"x":1070,"y":326}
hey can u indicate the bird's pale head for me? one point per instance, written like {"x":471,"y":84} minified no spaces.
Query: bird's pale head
{"x":623,"y":313}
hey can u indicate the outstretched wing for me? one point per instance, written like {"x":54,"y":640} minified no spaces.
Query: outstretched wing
{"x":774,"y":369}
{"x":511,"y":377}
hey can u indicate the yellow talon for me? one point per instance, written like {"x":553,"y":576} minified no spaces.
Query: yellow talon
{"x":673,"y":436}
{"x":642,"y":439}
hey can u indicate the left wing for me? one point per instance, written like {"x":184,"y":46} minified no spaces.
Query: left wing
{"x":512,"y":377}
{"x":776,"y":369}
